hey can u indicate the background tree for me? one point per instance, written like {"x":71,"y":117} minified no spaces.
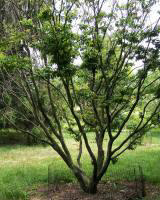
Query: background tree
{"x":102,"y":94}
{"x":11,"y":13}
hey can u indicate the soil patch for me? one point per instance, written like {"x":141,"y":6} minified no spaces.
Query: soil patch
{"x":106,"y":191}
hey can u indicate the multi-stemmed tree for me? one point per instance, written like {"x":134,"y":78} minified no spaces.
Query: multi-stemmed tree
{"x":118,"y":52}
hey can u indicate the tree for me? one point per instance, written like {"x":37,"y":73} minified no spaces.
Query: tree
{"x":102,"y":94}
{"x":11,"y":13}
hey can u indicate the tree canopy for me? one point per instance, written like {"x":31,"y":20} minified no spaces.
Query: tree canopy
{"x":115,"y":87}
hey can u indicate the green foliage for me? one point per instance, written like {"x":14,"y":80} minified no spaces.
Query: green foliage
{"x":61,"y":44}
{"x":90,"y":59}
{"x":27,"y":23}
{"x":9,"y":136}
{"x":45,"y":14}
{"x":14,"y":62}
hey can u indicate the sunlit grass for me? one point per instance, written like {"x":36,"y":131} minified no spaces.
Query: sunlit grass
{"x":148,"y":158}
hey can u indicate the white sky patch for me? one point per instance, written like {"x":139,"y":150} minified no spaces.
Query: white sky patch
{"x":78,"y":61}
{"x":36,"y":57}
{"x":155,"y":14}
{"x":54,"y":66}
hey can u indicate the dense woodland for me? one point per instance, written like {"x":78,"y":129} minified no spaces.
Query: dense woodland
{"x":79,"y":68}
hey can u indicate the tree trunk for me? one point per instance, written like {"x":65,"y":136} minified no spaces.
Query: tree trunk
{"x":92,"y":189}
{"x":100,"y":159}
{"x":88,"y":186}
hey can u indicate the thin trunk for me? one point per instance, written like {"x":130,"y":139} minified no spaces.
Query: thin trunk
{"x":100,"y":157}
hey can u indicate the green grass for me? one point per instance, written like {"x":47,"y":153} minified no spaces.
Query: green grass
{"x":21,"y":168}
{"x":24,"y":168}
{"x":152,"y":137}
{"x":146,"y":157}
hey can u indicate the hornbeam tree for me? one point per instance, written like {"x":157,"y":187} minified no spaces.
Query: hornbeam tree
{"x":115,"y":81}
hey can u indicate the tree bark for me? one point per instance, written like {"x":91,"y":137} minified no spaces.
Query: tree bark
{"x":88,"y":186}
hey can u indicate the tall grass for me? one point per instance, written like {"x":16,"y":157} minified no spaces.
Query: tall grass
{"x":21,"y":168}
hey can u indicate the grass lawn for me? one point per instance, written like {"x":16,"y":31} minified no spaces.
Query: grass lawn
{"x":23,"y":168}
